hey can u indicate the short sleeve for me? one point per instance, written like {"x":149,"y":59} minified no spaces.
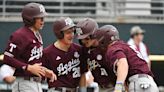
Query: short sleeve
{"x":113,"y":56}
{"x":118,"y":55}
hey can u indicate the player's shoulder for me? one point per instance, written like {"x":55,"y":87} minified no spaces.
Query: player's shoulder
{"x":48,"y":49}
{"x":117,"y":46}
{"x":20,"y":33}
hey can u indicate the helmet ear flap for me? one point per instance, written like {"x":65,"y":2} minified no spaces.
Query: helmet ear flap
{"x":80,"y":42}
{"x":28,"y":22}
{"x":33,"y":21}
{"x":61,"y":35}
{"x":101,"y":41}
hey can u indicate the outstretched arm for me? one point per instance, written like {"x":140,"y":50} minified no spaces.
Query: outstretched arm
{"x":122,"y":71}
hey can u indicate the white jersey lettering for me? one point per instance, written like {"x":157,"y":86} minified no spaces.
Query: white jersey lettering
{"x":103,"y":72}
{"x":13,"y":46}
{"x":36,"y":53}
{"x":73,"y":65}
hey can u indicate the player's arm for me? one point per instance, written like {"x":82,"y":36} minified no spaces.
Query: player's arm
{"x":48,"y":72}
{"x":35,"y":69}
{"x":121,"y":72}
{"x":14,"y":49}
{"x":119,"y":63}
{"x":11,"y":61}
{"x":82,"y":82}
{"x":86,"y":79}
{"x":122,"y":69}
{"x":9,"y":79}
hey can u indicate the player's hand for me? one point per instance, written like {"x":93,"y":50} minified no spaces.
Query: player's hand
{"x":36,"y":69}
{"x":50,"y":74}
{"x":89,"y":78}
{"x":119,"y":87}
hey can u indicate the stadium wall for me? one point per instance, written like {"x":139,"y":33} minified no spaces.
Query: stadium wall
{"x":153,"y":36}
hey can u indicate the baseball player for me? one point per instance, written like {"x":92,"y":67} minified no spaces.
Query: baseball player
{"x":96,"y":58}
{"x":24,"y":51}
{"x":126,"y":62}
{"x":63,"y":57}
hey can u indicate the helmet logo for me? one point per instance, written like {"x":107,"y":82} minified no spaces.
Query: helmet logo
{"x":99,"y":57}
{"x":76,"y":54}
{"x":42,"y":9}
{"x":69,"y":22}
{"x":79,"y":31}
{"x":114,"y":29}
{"x":112,"y":38}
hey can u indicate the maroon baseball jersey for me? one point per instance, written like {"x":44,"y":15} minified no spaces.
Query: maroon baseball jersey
{"x":24,"y":47}
{"x":66,"y":65}
{"x":98,"y":67}
{"x":136,"y":63}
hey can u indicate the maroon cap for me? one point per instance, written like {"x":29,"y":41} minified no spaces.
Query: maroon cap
{"x":106,"y":34}
{"x":86,"y":27}
{"x":62,"y":24}
{"x":31,"y":11}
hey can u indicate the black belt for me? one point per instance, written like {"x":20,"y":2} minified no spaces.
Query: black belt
{"x":110,"y":85}
{"x":64,"y":89}
{"x":134,"y":77}
{"x":36,"y":79}
{"x":142,"y":75}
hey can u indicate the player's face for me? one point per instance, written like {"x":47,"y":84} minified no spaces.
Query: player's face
{"x":88,"y":42}
{"x":39,"y":23}
{"x":68,"y":36}
{"x":139,"y":37}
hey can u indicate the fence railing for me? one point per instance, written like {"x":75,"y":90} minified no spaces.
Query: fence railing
{"x":101,"y":10}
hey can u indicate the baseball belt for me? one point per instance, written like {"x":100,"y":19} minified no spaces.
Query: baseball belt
{"x":65,"y":89}
{"x":35,"y":79}
{"x":136,"y":76}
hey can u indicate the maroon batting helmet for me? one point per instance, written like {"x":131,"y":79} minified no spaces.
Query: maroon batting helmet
{"x":61,"y":25}
{"x":106,"y":35}
{"x":86,"y":27}
{"x":31,"y":11}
